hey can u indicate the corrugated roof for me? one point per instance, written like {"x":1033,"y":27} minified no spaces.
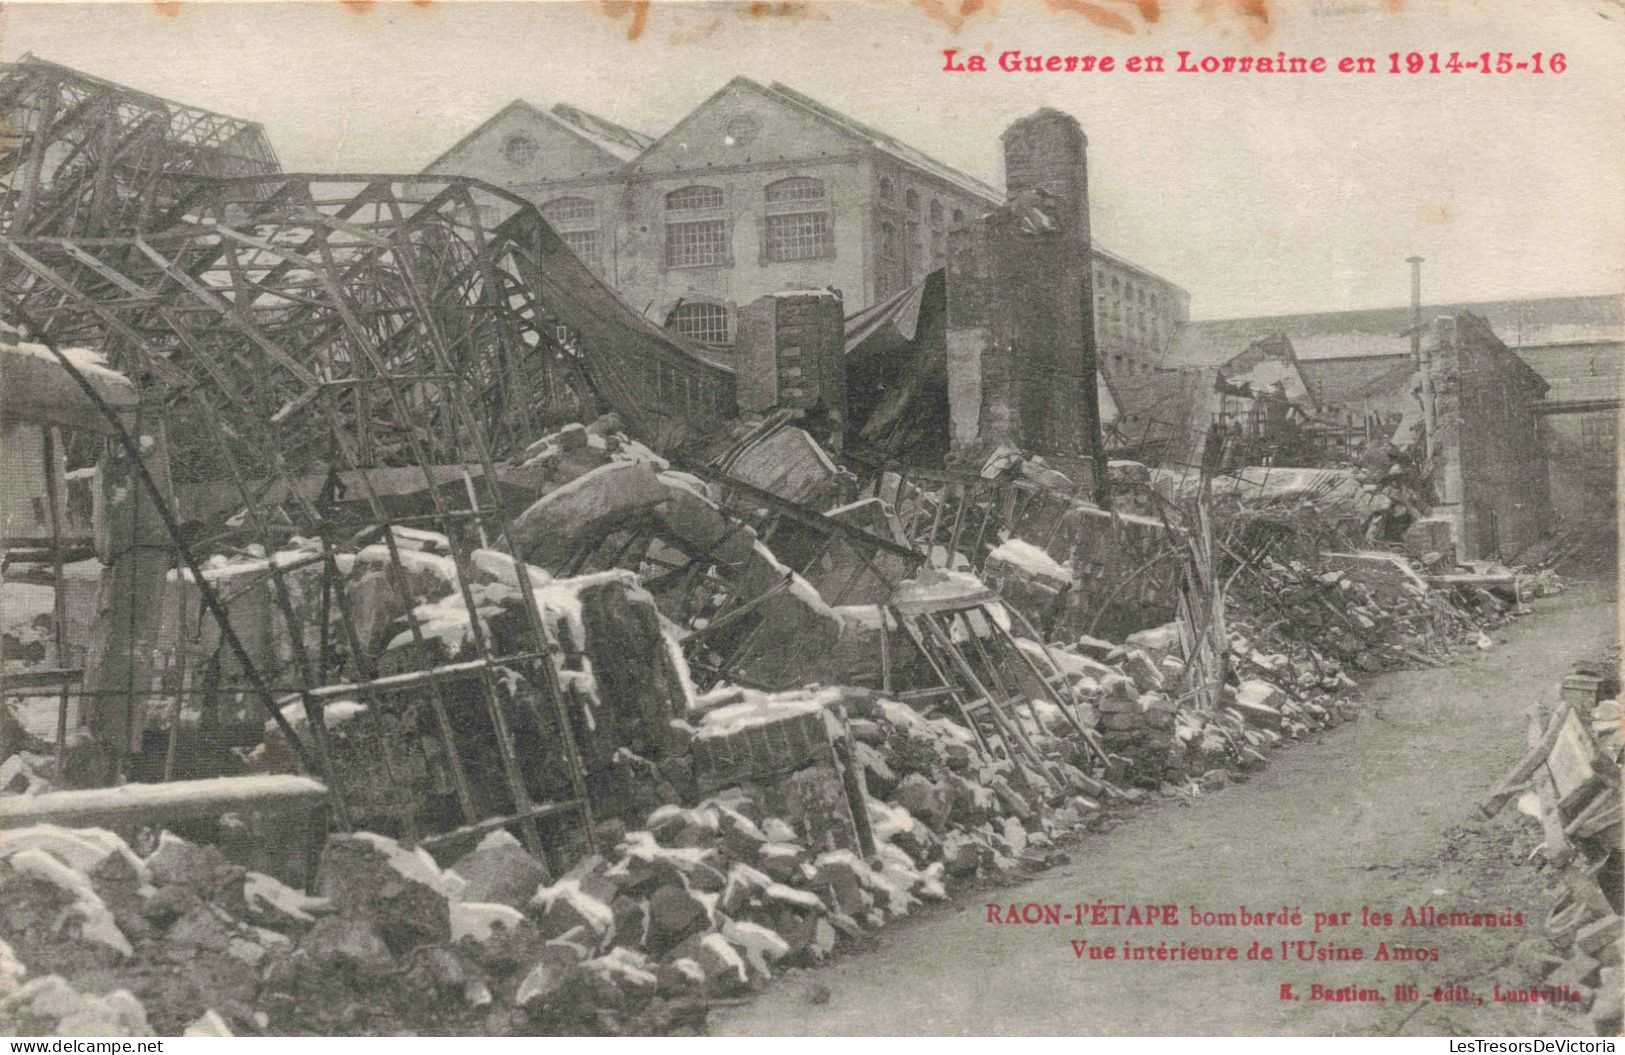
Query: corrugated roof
{"x":1583,"y":389}
{"x":898,"y":315}
{"x":1154,"y":404}
{"x":1382,"y":331}
{"x":1340,"y":381}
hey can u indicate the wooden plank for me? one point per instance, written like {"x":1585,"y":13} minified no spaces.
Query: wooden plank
{"x":130,"y":805}
{"x":1514,"y":781}
{"x":1570,"y":758}
{"x":481,"y":828}
{"x":1598,"y":815}
{"x":42,"y":678}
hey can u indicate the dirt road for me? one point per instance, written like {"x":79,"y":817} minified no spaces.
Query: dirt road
{"x":1382,"y":813}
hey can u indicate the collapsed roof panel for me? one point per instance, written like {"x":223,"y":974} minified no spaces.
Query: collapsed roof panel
{"x":314,"y":342}
{"x":85,"y":156}
{"x":305,"y":285}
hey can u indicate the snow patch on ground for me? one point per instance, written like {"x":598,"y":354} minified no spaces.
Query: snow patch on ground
{"x":588,"y":907}
{"x":415,"y":865}
{"x":1030,"y":559}
{"x":97,"y":922}
{"x":263,"y":891}
{"x":81,"y":849}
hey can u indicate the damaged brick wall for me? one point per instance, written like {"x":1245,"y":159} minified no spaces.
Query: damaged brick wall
{"x":791,"y":353}
{"x":1021,"y":349}
{"x":1488,"y":461}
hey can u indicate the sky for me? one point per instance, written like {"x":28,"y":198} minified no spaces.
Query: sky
{"x":1259,"y":194}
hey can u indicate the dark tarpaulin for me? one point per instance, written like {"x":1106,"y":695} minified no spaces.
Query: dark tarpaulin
{"x":627,"y":357}
{"x":897,"y":374}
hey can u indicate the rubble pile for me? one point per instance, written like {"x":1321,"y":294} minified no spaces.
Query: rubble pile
{"x":1570,"y":781}
{"x":845,"y":765}
{"x":1177,"y":747}
{"x":1363,"y":612}
{"x":704,"y":897}
{"x":699,"y":903}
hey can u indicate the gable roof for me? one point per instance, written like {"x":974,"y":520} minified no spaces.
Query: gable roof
{"x":1382,"y":332}
{"x":608,"y":136}
{"x":885,"y":143}
{"x":618,"y":144}
{"x":849,"y":127}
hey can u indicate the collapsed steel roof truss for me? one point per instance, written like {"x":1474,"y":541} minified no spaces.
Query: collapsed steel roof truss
{"x":86,"y":156}
{"x":297,"y":327}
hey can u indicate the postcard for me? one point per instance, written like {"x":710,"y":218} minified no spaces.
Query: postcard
{"x":811,"y":517}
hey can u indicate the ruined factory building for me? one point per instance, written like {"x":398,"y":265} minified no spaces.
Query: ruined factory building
{"x":568,"y":589}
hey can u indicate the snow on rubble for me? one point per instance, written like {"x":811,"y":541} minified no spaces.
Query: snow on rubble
{"x":96,"y":922}
{"x":742,"y":850}
{"x":1031,"y":559}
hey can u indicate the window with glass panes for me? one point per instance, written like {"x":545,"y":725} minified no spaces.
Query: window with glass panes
{"x":696,"y":243}
{"x":694,"y":237}
{"x":703,"y":322}
{"x":797,"y":226}
{"x":576,"y":221}
{"x":798,"y":236}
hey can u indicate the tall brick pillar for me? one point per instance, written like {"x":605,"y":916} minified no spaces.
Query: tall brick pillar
{"x":1442,"y":419}
{"x":790,"y":351}
{"x":1021,"y":332}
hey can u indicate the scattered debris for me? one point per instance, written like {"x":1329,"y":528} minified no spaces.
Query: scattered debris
{"x":1570,"y":781}
{"x":498,"y":676}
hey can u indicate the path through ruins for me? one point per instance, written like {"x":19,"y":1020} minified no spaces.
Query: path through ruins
{"x":1382,"y":813}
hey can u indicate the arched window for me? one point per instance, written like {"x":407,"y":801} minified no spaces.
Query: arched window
{"x":576,"y":221}
{"x":886,"y":189}
{"x":912,"y":200}
{"x":794,"y":190}
{"x":959,"y":216}
{"x":702,"y":321}
{"x":796,"y":224}
{"x":696,"y":228}
{"x":935,"y":212}
{"x":694,"y":199}
{"x":893,"y":273}
{"x":569,"y":212}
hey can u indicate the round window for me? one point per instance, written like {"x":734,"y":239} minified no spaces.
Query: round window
{"x":519,"y":150}
{"x":741,"y":130}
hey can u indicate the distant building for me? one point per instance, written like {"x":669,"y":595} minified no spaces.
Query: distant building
{"x":1357,"y":368}
{"x":762,"y":189}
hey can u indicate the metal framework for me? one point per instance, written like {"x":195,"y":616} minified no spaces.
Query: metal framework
{"x":354,"y":331}
{"x":84,"y":156}
{"x":963,"y":512}
{"x":800,"y":537}
{"x":977,"y":665}
{"x":266,"y":290}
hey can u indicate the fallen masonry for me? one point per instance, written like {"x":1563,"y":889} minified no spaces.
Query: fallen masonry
{"x":738,"y":830}
{"x":1570,"y":782}
{"x":452,"y":650}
